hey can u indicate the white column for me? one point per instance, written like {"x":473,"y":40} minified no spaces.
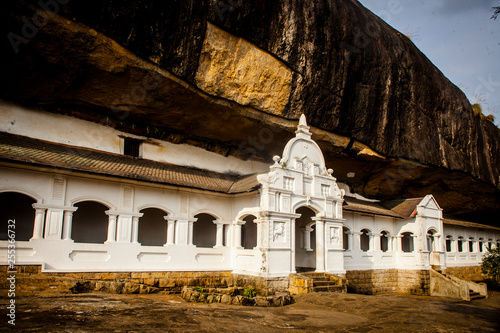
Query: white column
{"x":67,"y":225}
{"x":237,"y":233}
{"x":350,"y":241}
{"x":356,"y":241}
{"x":376,"y":242}
{"x":371,"y":242}
{"x":39,"y":222}
{"x":170,"y":231}
{"x":259,"y":233}
{"x":307,"y":238}
{"x":135,"y":229}
{"x":293,"y":246}
{"x":320,"y":246}
{"x":190,"y":232}
{"x":219,"y":236}
{"x":111,"y":228}
{"x":399,"y":246}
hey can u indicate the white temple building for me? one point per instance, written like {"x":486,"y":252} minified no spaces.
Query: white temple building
{"x":89,"y":198}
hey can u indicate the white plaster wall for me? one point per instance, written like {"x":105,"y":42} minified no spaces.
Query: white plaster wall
{"x":65,"y":255}
{"x":57,"y":128}
{"x":356,"y":259}
{"x":466,"y":258}
{"x":77,"y":132}
{"x":34,"y":184}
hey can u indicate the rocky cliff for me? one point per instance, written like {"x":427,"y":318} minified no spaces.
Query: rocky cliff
{"x":234,"y":76}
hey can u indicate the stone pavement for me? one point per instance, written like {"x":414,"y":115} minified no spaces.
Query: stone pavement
{"x":316,"y":312}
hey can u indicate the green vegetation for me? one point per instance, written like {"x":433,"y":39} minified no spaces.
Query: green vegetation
{"x":249,"y":292}
{"x":491,"y":265}
{"x":199,"y":289}
{"x":478,"y":112}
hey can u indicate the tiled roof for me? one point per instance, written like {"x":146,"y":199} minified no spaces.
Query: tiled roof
{"x":404,"y":207}
{"x":456,"y":222}
{"x":356,"y":205}
{"x":41,"y":153}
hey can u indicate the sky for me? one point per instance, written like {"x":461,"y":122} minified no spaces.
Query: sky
{"x":459,"y":38}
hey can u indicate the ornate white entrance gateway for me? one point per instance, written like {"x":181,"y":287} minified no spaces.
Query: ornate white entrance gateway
{"x":294,"y":237}
{"x":132,"y":204}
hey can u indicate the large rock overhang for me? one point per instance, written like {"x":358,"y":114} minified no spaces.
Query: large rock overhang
{"x":69,"y":67}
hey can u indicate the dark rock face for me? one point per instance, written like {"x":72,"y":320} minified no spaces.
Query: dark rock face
{"x":352,"y":75}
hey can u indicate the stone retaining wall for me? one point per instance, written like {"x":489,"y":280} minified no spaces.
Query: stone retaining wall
{"x":31,"y":280}
{"x":415,"y":282}
{"x":234,"y":296}
{"x":469,"y":273}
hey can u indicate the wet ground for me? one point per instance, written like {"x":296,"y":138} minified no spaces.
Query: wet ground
{"x":318,"y":312}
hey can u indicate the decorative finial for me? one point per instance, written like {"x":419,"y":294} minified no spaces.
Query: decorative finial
{"x":302,"y":120}
{"x":330,"y":171}
{"x":302,"y":129}
{"x":276,"y":159}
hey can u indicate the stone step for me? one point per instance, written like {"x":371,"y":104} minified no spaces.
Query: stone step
{"x":320,"y":283}
{"x":315,"y":274}
{"x":475,"y":295}
{"x":328,"y":289}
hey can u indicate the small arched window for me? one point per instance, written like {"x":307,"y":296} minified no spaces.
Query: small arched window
{"x":430,"y":240}
{"x":384,"y":241}
{"x":365,"y":240}
{"x":249,"y":233}
{"x":345,"y":238}
{"x":460,"y":244}
{"x":90,"y":223}
{"x":152,"y":227}
{"x":204,"y":231}
{"x":448,"y":243}
{"x":407,"y":242}
{"x":471,"y":244}
{"x":481,"y":243}
{"x":17,"y":208}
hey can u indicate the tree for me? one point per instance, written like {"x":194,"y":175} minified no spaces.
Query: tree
{"x":478,"y":110}
{"x":491,"y":265}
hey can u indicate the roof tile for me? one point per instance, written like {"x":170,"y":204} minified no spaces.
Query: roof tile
{"x":33,"y":151}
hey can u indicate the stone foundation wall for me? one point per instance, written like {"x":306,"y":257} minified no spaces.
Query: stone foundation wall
{"x":469,"y":273}
{"x":415,"y":282}
{"x":31,"y":280}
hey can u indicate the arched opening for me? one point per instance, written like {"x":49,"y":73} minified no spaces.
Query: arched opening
{"x":364,"y":240}
{"x":345,"y":239}
{"x":249,"y":233}
{"x":448,"y":243}
{"x":152,"y":227}
{"x":204,"y":231}
{"x":490,"y":243}
{"x":460,"y":244}
{"x":90,"y":223}
{"x":430,"y":240}
{"x":384,"y":241}
{"x":305,"y":241}
{"x":16,"y":207}
{"x":481,"y":242}
{"x":471,"y":244}
{"x":407,"y":242}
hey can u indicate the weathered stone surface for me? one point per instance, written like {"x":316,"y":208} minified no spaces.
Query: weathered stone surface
{"x":382,"y":113}
{"x":416,"y":282}
{"x":232,"y":68}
